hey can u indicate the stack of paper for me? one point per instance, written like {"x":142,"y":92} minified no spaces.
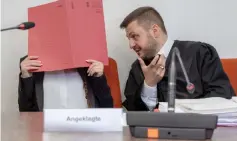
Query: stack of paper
{"x":214,"y":105}
{"x":225,"y":109}
{"x":234,"y":98}
{"x":163,"y":107}
{"x":228,"y":119}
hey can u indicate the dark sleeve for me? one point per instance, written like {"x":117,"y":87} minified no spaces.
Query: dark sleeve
{"x":215,"y":81}
{"x":26,"y":94}
{"x":102,"y":91}
{"x":132,"y":93}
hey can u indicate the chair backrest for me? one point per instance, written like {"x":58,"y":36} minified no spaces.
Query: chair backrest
{"x":111,"y":73}
{"x":230,"y":67}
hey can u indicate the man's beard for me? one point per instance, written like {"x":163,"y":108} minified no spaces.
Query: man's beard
{"x":151,"y":50}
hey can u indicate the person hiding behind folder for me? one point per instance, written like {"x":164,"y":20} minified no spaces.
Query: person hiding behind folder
{"x":67,"y":89}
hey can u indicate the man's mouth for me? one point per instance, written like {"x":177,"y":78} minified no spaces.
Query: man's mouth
{"x":138,"y":51}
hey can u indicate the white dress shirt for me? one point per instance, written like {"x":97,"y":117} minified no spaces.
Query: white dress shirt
{"x":149,"y":94}
{"x":64,"y":90}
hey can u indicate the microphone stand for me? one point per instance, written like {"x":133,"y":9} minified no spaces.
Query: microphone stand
{"x":172,"y":80}
{"x":172,"y":83}
{"x":10,"y":28}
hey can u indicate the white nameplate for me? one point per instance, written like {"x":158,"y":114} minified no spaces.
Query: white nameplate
{"x":83,"y":120}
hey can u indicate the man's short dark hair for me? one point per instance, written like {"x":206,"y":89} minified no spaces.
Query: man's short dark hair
{"x":145,"y":16}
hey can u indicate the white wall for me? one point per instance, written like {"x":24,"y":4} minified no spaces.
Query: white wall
{"x":14,"y":46}
{"x":212,"y":21}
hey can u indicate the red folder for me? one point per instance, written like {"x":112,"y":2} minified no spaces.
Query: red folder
{"x":67,"y":33}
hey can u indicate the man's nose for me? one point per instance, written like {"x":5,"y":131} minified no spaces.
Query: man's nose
{"x":131,"y":44}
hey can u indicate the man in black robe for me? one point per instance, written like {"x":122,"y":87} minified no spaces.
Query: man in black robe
{"x":147,"y":83}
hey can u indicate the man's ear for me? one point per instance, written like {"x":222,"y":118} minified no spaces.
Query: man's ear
{"x":155,"y":29}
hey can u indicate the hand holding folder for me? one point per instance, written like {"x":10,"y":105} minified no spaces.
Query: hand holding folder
{"x":67,"y":33}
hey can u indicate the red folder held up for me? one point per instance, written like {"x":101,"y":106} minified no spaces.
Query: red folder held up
{"x":67,"y":33}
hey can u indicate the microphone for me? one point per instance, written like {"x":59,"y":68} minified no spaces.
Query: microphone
{"x":190,"y":87}
{"x":172,"y":80}
{"x":22,"y":26}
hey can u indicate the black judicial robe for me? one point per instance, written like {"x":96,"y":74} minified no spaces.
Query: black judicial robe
{"x":204,"y":70}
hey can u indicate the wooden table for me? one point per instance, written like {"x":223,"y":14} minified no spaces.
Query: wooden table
{"x":29,"y":127}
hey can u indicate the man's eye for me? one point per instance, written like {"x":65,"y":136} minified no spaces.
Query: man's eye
{"x":135,"y":36}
